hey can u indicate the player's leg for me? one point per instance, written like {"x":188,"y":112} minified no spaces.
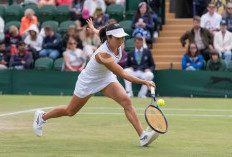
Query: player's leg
{"x":115,"y":91}
{"x":74,"y":106}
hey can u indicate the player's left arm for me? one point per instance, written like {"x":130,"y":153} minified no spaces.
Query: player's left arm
{"x":106,"y":59}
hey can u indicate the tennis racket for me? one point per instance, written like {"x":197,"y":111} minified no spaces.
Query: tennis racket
{"x":155,"y":117}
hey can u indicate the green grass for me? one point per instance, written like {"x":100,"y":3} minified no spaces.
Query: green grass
{"x":192,"y":133}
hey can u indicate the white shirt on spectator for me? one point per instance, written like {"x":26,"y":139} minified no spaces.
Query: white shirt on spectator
{"x":36,"y":44}
{"x":76,"y":58}
{"x":91,"y":5}
{"x":211,"y":22}
{"x":221,"y":42}
{"x":2,"y":25}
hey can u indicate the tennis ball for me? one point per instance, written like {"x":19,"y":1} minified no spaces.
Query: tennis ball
{"x":161,"y":102}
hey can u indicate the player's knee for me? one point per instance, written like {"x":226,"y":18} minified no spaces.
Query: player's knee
{"x":126,"y":103}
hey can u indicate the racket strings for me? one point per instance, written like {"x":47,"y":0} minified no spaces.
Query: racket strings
{"x":156,"y":119}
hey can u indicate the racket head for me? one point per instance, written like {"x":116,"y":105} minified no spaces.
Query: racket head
{"x":156,"y":119}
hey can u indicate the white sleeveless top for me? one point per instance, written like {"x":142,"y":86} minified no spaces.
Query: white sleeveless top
{"x":95,"y":76}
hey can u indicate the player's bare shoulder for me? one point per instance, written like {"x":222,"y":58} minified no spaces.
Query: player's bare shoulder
{"x":104,"y":58}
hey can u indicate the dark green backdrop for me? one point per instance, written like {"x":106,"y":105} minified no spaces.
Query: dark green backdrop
{"x":169,"y":83}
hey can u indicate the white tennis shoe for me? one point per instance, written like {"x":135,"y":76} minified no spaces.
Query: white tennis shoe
{"x":148,"y":137}
{"x":38,"y":122}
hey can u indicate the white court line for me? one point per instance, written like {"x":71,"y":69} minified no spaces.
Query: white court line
{"x":115,"y":113}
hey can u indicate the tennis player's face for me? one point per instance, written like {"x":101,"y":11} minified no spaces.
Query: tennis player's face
{"x":117,"y":42}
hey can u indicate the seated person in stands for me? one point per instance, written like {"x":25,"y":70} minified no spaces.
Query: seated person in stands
{"x":192,"y":60}
{"x":201,"y":36}
{"x":100,"y":18}
{"x":215,"y":63}
{"x":47,"y":2}
{"x":142,"y":23}
{"x":74,"y":58}
{"x":92,"y":5}
{"x":75,"y":10}
{"x":223,"y":42}
{"x":90,"y":41}
{"x":4,"y":56}
{"x":51,"y":44}
{"x":228,"y":16}
{"x":34,"y":41}
{"x":12,"y":39}
{"x":74,"y":33}
{"x":31,"y":1}
{"x":211,"y":19}
{"x":22,"y":59}
{"x":140,"y":64}
{"x":63,"y":2}
{"x":27,"y":20}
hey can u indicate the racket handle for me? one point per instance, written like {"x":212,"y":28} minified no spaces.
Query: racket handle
{"x":152,"y":91}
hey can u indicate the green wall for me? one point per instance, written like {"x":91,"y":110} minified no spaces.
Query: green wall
{"x":168,"y":82}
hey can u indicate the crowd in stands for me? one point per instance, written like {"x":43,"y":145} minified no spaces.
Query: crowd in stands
{"x":209,"y":42}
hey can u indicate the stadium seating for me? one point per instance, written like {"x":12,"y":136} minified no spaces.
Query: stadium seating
{"x":62,"y":13}
{"x":15,"y":23}
{"x":13,"y":13}
{"x":64,"y":26}
{"x":43,"y":63}
{"x":126,"y":25}
{"x":53,"y":24}
{"x":129,"y":44}
{"x":33,"y":7}
{"x":58,"y":64}
{"x":131,"y":7}
{"x":2,"y":11}
{"x":115,"y":11}
{"x":46,"y":13}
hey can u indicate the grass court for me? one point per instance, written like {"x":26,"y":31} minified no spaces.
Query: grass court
{"x":198,"y":127}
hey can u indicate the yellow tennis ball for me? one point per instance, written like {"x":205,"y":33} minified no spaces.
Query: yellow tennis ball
{"x":161,"y":102}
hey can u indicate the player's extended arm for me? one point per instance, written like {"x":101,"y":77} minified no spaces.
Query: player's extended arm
{"x":107,"y":60}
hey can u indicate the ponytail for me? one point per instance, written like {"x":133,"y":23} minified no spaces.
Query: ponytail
{"x":102,"y":34}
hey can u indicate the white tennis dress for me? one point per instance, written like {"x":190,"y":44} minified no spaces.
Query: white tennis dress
{"x":95,"y":76}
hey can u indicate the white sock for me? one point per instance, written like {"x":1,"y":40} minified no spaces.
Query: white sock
{"x":143,"y":134}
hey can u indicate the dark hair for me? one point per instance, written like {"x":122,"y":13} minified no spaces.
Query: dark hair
{"x":48,"y":28}
{"x":188,"y":53}
{"x":137,"y":14}
{"x":102,"y":32}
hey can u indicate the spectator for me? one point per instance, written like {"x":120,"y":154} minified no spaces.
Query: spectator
{"x":123,"y":60}
{"x":2,"y":26}
{"x":142,"y":23}
{"x":51,"y":44}
{"x":47,"y":2}
{"x":27,"y":20}
{"x":220,"y":5}
{"x":222,"y":42}
{"x":12,"y":39}
{"x":92,"y":5}
{"x":215,"y":63}
{"x":63,"y":2}
{"x":76,"y":11}
{"x":154,"y":6}
{"x":109,"y":2}
{"x":228,"y":16}
{"x":4,"y":56}
{"x":211,"y":19}
{"x":140,"y":64}
{"x":85,"y":16}
{"x":201,"y":36}
{"x":192,"y":60}
{"x":34,"y":41}
{"x":22,"y":59}
{"x":74,"y":58}
{"x":100,"y":18}
{"x":72,"y":33}
{"x":90,"y":41}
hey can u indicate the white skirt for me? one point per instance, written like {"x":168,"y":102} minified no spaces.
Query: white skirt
{"x":83,"y":89}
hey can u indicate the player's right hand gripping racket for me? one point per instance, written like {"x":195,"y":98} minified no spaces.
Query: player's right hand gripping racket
{"x":155,"y":117}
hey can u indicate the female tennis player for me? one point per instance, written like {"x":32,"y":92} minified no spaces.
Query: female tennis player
{"x":100,"y":75}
